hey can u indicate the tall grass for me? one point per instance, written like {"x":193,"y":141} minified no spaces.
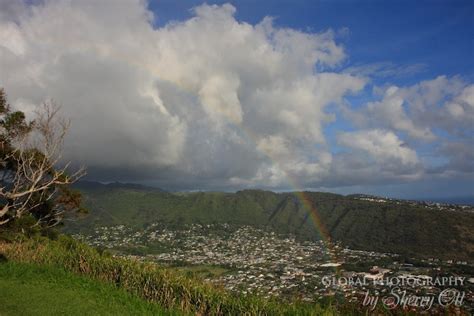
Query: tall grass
{"x":163,"y":286}
{"x":31,"y":289}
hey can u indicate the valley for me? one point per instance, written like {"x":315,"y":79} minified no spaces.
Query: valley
{"x":313,"y":247}
{"x":251,"y":261}
{"x":416,"y":229}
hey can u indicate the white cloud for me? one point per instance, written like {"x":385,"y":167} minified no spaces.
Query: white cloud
{"x":391,"y":112}
{"x":418,"y":110}
{"x":200,"y":96}
{"x":212,"y":100}
{"x":383,"y":146}
{"x":385,"y":69}
{"x":460,"y":109}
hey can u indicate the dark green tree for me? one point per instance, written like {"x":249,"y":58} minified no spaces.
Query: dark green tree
{"x":34,"y":181}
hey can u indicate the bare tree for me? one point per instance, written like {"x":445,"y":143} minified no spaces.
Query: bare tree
{"x":32,"y":181}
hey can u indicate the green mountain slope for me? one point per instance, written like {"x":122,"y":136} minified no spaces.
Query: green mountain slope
{"x":385,"y":227}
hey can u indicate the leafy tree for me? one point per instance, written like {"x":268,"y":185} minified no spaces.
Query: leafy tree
{"x":32,"y":183}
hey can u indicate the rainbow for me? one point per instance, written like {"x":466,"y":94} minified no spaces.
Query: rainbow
{"x":298,"y":192}
{"x":305,"y":200}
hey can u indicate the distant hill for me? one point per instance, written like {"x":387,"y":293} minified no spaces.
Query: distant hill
{"x":458,"y":200}
{"x":94,"y":185}
{"x":465,"y":200}
{"x":361,"y":224}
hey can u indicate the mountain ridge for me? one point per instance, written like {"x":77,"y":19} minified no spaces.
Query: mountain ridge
{"x":389,"y":226}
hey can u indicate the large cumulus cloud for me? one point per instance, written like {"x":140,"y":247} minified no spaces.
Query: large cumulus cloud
{"x":213,"y":101}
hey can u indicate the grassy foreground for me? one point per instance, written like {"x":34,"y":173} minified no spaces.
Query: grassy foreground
{"x":29,"y":289}
{"x":170,"y":289}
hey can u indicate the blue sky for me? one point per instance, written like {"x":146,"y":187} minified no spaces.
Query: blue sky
{"x":344,"y":96}
{"x":417,"y":40}
{"x":437,"y":35}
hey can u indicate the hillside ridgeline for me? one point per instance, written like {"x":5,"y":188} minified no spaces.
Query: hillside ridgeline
{"x":403,"y":228}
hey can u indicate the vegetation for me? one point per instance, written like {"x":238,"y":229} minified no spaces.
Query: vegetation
{"x":53,"y":291}
{"x":170,"y":289}
{"x":385,"y":227}
{"x":201,"y":271}
{"x":32,"y":185}
{"x":35,"y":195}
{"x":61,"y":275}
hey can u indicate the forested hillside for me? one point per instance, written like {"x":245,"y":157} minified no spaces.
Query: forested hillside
{"x":384,"y":227}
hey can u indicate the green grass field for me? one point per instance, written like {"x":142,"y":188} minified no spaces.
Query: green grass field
{"x":93,"y":287}
{"x":27,"y":289}
{"x":202,"y":270}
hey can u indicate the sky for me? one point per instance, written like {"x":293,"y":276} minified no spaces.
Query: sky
{"x":345,"y":96}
